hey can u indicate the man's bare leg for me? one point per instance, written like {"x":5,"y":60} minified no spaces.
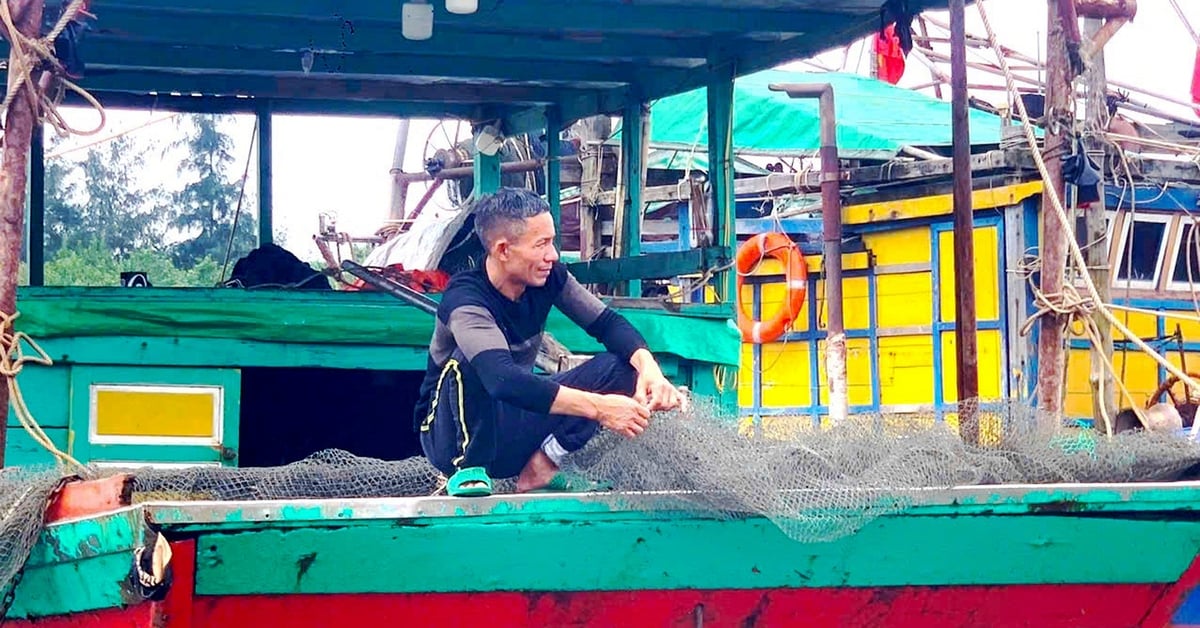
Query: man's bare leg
{"x":537,"y":472}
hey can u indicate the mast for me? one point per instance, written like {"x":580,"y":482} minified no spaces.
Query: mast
{"x":1096,"y":236}
{"x":966,"y":325}
{"x":1059,"y":111}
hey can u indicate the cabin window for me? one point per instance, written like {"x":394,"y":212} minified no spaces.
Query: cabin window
{"x":1186,"y":254}
{"x":1140,"y":252}
{"x":154,"y":192}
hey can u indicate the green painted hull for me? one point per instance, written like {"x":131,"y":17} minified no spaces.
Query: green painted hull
{"x":971,"y":539}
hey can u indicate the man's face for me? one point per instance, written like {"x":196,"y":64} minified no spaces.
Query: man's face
{"x":527,"y":258}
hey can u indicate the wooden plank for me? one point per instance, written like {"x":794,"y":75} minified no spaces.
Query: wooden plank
{"x":77,"y":566}
{"x":650,"y":265}
{"x":626,"y":554}
{"x":866,"y":176}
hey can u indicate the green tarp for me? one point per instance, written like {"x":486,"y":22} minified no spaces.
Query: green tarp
{"x":317,"y":318}
{"x":875,"y":119}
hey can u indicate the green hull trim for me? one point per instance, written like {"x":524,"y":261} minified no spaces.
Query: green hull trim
{"x":81,"y":566}
{"x":587,"y":555}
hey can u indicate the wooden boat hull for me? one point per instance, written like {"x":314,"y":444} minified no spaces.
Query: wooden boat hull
{"x":1072,"y":555}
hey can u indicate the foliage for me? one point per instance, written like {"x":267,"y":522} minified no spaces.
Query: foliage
{"x":110,"y":210}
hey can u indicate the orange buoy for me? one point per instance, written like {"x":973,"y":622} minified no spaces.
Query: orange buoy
{"x":749,"y":255}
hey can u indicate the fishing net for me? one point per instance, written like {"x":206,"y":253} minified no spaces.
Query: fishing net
{"x":815,"y":483}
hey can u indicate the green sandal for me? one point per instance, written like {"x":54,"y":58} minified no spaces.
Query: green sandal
{"x":456,"y":486}
{"x":564,"y":482}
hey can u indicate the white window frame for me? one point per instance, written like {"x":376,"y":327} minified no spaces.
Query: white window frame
{"x":1176,"y":251}
{"x":1152,"y":284}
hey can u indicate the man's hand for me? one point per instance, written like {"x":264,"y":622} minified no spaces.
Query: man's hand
{"x":622,"y":415}
{"x":652,"y":387}
{"x":656,"y":392}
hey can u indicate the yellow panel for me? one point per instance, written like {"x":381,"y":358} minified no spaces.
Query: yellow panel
{"x":746,"y":376}
{"x":786,"y":376}
{"x":937,"y":205}
{"x":905,"y":300}
{"x":1189,"y":327}
{"x":990,"y":366}
{"x":903,"y":246}
{"x":154,"y":412}
{"x":858,"y":372}
{"x":1079,"y":391}
{"x":1144,"y":325}
{"x":856,"y":308}
{"x":906,"y":370}
{"x":774,"y":296}
{"x":987,"y":274}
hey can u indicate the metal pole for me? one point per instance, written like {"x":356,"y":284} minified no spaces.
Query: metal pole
{"x":1052,"y":328}
{"x":18,"y":134}
{"x":831,"y":215}
{"x":966,"y":325}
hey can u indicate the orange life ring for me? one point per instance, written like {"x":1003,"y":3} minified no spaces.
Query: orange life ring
{"x":749,"y":255}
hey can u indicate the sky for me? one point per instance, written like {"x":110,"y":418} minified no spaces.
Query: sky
{"x":340,"y":166}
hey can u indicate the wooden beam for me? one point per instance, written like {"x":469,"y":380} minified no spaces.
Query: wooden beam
{"x":869,"y":175}
{"x":554,"y":171}
{"x":265,"y":179}
{"x":36,"y":246}
{"x":720,"y":175}
{"x":651,"y":265}
{"x":586,"y":16}
{"x":1100,"y":378}
{"x":217,"y":59}
{"x":1053,"y":243}
{"x":397,"y":89}
{"x":965,"y":323}
{"x":173,"y":28}
{"x":18,"y":134}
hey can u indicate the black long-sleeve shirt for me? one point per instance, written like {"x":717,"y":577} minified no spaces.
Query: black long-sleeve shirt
{"x":499,"y":338}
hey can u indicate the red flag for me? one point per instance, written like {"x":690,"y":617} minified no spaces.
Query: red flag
{"x":890,"y":56}
{"x":1196,"y":82}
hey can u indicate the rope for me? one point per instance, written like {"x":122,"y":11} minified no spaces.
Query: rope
{"x":28,"y":55}
{"x":1067,"y":303}
{"x":12,"y":360}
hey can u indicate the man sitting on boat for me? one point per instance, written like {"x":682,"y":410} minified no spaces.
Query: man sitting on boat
{"x":482,"y":413}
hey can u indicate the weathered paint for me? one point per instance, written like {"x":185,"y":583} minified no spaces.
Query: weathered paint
{"x":937,"y":205}
{"x":1042,"y":606}
{"x":81,"y":565}
{"x":669,"y":554}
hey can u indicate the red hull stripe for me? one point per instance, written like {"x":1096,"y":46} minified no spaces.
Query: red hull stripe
{"x":1044,"y":606}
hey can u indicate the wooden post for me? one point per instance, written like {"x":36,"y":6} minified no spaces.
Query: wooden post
{"x":487,"y":172}
{"x":1096,"y":230}
{"x":965,"y":324}
{"x":592,"y":133}
{"x":1051,"y":340}
{"x":627,"y":240}
{"x":399,"y":184}
{"x":37,"y":208}
{"x":720,"y":174}
{"x":554,"y":171}
{"x":18,"y":134}
{"x":266,"y":233}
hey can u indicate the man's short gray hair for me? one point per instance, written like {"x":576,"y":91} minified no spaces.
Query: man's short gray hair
{"x":504,"y":212}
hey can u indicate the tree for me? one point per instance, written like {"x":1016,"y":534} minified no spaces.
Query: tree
{"x":206,"y":207}
{"x":106,"y":205}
